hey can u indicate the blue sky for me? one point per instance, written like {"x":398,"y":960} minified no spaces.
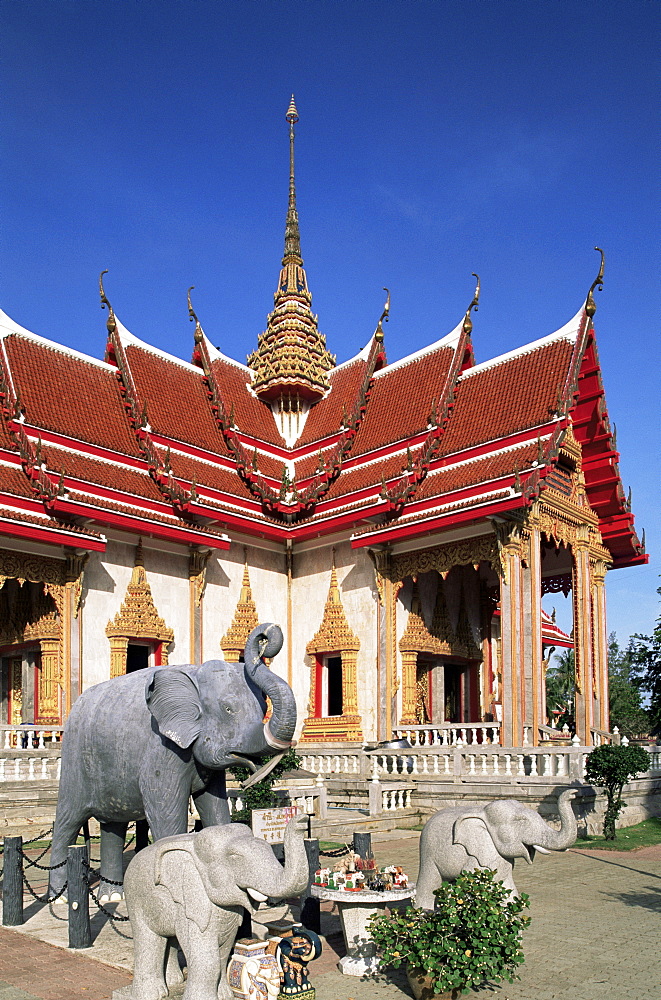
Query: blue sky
{"x":435,"y":139}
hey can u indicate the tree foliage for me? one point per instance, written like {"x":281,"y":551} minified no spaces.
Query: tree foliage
{"x":625,"y":700}
{"x":261,"y":795}
{"x":645,"y":654}
{"x":611,"y":767}
{"x":560,"y":688}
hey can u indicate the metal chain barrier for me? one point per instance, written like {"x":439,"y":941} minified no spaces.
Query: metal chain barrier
{"x":335,"y":854}
{"x":41,"y":836}
{"x":46,"y":898}
{"x":114,"y":917}
{"x":42,"y":868}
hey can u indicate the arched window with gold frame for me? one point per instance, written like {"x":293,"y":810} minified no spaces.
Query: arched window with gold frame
{"x":333,"y":705}
{"x":138,"y":636}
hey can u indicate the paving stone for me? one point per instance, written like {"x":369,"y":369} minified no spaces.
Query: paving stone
{"x":595,"y":924}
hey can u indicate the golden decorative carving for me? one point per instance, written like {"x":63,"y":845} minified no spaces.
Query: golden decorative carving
{"x":197,"y":571}
{"x":37,"y":569}
{"x":335,"y":636}
{"x":442,"y":558}
{"x":245,"y":620}
{"x":74,"y":570}
{"x":15,"y":691}
{"x":136,"y":619}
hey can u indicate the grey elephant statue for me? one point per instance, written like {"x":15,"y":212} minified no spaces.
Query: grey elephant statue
{"x":138,"y":746}
{"x":193,"y":888}
{"x":488,"y":836}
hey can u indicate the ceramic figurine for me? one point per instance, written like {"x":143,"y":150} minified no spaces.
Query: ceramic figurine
{"x":295,"y":953}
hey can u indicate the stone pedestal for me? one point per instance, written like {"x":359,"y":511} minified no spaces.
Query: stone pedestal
{"x":355,"y":909}
{"x":125,"y":993}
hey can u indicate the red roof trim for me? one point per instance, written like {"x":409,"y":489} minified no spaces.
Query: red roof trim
{"x":52,"y":536}
{"x":144,"y":527}
{"x":434,"y":523}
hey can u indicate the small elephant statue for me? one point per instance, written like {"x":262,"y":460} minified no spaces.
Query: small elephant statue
{"x":192,"y":889}
{"x":138,"y":746}
{"x":488,"y":836}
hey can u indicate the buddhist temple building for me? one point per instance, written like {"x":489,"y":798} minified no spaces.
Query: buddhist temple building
{"x":401,"y":521}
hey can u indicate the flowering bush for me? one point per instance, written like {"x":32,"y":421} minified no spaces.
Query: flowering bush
{"x":472,"y":937}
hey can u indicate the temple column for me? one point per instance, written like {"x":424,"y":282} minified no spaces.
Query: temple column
{"x":71,"y":628}
{"x":512,"y":634}
{"x":384,"y":641}
{"x":600,"y":642}
{"x":583,"y":635}
{"x":533,"y":674}
{"x":197,"y":571}
{"x":409,"y":687}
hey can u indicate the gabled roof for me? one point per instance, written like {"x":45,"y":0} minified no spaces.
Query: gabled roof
{"x":390,"y":451}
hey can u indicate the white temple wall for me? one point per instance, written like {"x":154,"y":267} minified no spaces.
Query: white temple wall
{"x":355,"y":575}
{"x":107,"y":575}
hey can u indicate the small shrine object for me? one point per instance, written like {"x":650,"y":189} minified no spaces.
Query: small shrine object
{"x":296,"y":952}
{"x":355,"y":874}
{"x":275,"y":969}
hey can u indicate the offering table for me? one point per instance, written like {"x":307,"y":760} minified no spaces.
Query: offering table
{"x":355,"y":908}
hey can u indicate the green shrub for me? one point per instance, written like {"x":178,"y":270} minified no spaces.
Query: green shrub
{"x":611,"y":767}
{"x":261,"y":795}
{"x":472,"y":937}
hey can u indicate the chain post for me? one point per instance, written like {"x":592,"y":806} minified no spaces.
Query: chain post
{"x":310,"y":908}
{"x":362,"y":845}
{"x":12,"y":894}
{"x":80,"y":932}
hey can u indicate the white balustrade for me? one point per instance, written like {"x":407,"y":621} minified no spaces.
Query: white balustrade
{"x":448,"y":733}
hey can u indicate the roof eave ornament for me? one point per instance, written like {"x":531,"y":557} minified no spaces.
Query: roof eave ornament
{"x":111,"y":322}
{"x":193,"y":317}
{"x":590,"y":304}
{"x":383,"y":318}
{"x":468,"y":323}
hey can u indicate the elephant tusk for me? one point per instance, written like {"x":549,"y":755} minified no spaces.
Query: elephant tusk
{"x":243,"y":761}
{"x":263,"y":771}
{"x":259,"y":897}
{"x":542,"y":850}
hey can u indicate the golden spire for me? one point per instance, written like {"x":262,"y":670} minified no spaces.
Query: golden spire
{"x":292,"y":233}
{"x":291,"y":359}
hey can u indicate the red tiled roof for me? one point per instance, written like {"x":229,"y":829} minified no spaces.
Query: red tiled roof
{"x":252,"y":416}
{"x":519,"y":393}
{"x":325,"y":416}
{"x":90,"y":470}
{"x":176,"y":400}
{"x":14,"y":481}
{"x":483,"y":470}
{"x":401,"y":399}
{"x":65,"y":394}
{"x":215,"y":477}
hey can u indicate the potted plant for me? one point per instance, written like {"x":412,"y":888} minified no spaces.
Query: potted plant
{"x":473,"y":937}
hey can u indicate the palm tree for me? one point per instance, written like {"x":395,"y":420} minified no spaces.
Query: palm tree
{"x":561,"y":687}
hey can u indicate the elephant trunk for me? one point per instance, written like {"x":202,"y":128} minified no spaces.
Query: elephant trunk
{"x":560,"y":840}
{"x":293,"y":879}
{"x":266,"y":640}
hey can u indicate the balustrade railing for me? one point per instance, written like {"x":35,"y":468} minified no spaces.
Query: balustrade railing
{"x":450,"y":733}
{"x":30,"y":737}
{"x":28,"y":766}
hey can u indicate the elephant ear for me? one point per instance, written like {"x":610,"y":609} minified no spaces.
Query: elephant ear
{"x":473,"y":835}
{"x":173,"y":699}
{"x":180,"y":876}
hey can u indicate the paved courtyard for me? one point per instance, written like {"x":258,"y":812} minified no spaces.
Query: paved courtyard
{"x":596,"y":924}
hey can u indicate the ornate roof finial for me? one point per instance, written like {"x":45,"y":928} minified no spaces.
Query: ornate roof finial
{"x":292,"y":233}
{"x":111,"y":322}
{"x":192,"y":315}
{"x":291,"y":360}
{"x":468,"y":323}
{"x":383,"y":318}
{"x":590,"y":304}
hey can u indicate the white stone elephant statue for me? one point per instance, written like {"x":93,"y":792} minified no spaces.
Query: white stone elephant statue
{"x":192,"y":888}
{"x":492,"y":836}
